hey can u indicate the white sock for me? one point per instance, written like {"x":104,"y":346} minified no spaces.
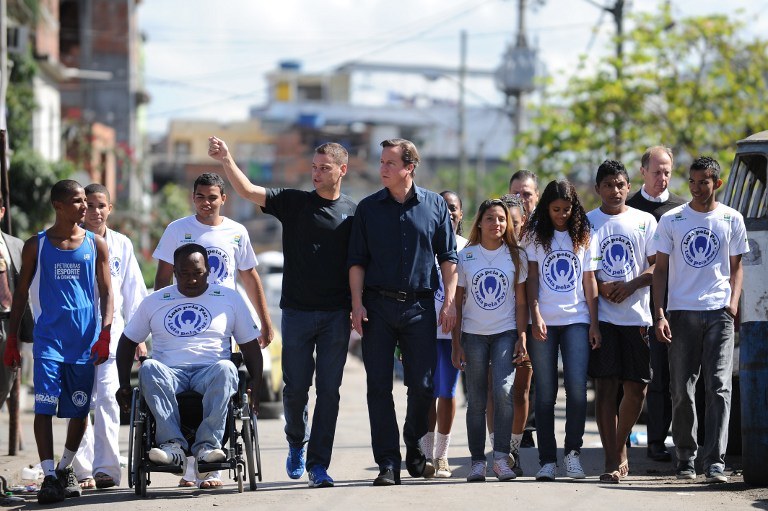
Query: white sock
{"x":428,"y":444}
{"x":66,"y":459}
{"x":514,"y":443}
{"x":48,"y":467}
{"x":441,"y":445}
{"x":490,"y":438}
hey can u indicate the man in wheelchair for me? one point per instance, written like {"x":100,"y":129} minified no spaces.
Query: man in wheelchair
{"x":191,"y":324}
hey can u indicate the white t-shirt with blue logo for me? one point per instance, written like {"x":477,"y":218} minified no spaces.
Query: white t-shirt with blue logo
{"x":489,"y":293}
{"x":623,"y":244}
{"x":699,"y":246}
{"x":561,"y":285}
{"x":192,"y":331}
{"x":128,"y":288}
{"x":228,"y":245}
{"x":461,"y":242}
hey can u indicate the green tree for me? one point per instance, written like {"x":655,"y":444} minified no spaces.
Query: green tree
{"x":696,"y":84}
{"x":30,"y":178}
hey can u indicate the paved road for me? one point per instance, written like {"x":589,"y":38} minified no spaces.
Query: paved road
{"x":649,"y":486}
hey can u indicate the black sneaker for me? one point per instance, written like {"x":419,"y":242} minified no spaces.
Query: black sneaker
{"x":685,"y":470}
{"x":387,"y":477}
{"x":416,"y":462}
{"x":69,"y":482}
{"x":51,"y":491}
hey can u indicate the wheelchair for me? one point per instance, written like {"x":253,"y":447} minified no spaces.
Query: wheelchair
{"x":241,"y":439}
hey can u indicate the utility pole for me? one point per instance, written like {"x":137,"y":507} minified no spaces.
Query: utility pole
{"x":515,"y":77}
{"x":463,"y":164}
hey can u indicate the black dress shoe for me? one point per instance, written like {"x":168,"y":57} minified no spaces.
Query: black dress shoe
{"x":415,"y":461}
{"x":387,"y":477}
{"x":658,"y":452}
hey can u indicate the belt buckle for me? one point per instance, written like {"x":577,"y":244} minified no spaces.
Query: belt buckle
{"x":401,"y":296}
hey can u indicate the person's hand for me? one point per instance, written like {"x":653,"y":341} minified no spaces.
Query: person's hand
{"x":141,"y":351}
{"x":124,"y":398}
{"x":663,"y":332}
{"x":11,"y":355}
{"x":359,"y":316}
{"x":253,"y":399}
{"x":539,"y":329}
{"x":447,"y":317}
{"x":620,"y":291}
{"x":100,"y":349}
{"x":217,"y":148}
{"x":595,"y":338}
{"x":458,"y":358}
{"x":267,"y":335}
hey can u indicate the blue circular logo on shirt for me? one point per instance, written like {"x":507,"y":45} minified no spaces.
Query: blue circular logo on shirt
{"x":700,"y":246}
{"x":618,"y":256}
{"x":490,"y":287}
{"x":561,"y":270}
{"x":79,"y":399}
{"x":219,"y":262}
{"x":114,"y":266}
{"x":187,"y":319}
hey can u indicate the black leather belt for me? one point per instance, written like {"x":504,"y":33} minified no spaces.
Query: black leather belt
{"x":402,"y":296}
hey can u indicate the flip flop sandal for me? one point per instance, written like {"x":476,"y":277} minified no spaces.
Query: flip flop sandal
{"x":210,"y":483}
{"x":183,"y":483}
{"x":610,"y":477}
{"x":87,"y":484}
{"x":104,"y":480}
{"x":624,"y":468}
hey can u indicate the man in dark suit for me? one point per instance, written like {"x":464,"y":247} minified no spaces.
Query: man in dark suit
{"x":10,"y":263}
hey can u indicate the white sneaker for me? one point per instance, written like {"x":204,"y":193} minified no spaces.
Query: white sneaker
{"x":477,"y":473}
{"x":169,"y":453}
{"x":443,"y":469}
{"x":573,"y":466}
{"x":208,"y":456}
{"x":547,"y":472}
{"x":502,"y":470}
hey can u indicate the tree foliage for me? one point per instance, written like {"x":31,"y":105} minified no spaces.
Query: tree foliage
{"x":696,"y":84}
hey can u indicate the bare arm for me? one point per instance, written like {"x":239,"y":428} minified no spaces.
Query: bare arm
{"x":218,"y":150}
{"x":104,"y":282}
{"x":356,"y":281}
{"x":164,"y":275}
{"x":448,"y":311}
{"x":457,"y":352}
{"x":521,"y":318}
{"x":254,"y":361}
{"x":123,"y":361}
{"x":538,"y":327}
{"x":736,"y":281}
{"x":590,"y":294}
{"x":255,"y":292}
{"x":659,"y":288}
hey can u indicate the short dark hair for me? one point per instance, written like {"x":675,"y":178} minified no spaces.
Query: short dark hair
{"x":409,"y":152}
{"x":337,"y":152}
{"x":707,"y":163}
{"x":209,"y":179}
{"x":610,"y":168}
{"x":523,"y":175}
{"x":187,"y":250}
{"x":514,"y":201}
{"x":97,"y":188}
{"x":64,"y":189}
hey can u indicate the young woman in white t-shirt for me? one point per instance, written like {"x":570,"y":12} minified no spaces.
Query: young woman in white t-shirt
{"x":492,"y":315}
{"x":562,"y":295}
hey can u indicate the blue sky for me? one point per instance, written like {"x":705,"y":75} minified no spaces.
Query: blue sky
{"x":206,"y":60}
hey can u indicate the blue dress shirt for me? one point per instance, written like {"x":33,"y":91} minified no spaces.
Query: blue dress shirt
{"x":397,"y":243}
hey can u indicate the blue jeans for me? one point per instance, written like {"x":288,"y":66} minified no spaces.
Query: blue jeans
{"x":411,"y":325}
{"x":159,"y":385}
{"x":702,"y":346}
{"x":572,"y":341}
{"x":479,"y":351}
{"x":313,"y":341}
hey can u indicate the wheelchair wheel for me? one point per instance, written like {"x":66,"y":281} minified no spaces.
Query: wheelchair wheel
{"x":135,"y":440}
{"x":140,"y":486}
{"x":239,"y":477}
{"x":250,"y":453}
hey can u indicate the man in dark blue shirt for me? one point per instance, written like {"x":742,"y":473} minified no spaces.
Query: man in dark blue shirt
{"x":396,"y":235}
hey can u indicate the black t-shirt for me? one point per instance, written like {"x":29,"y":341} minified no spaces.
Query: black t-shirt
{"x":315,"y":238}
